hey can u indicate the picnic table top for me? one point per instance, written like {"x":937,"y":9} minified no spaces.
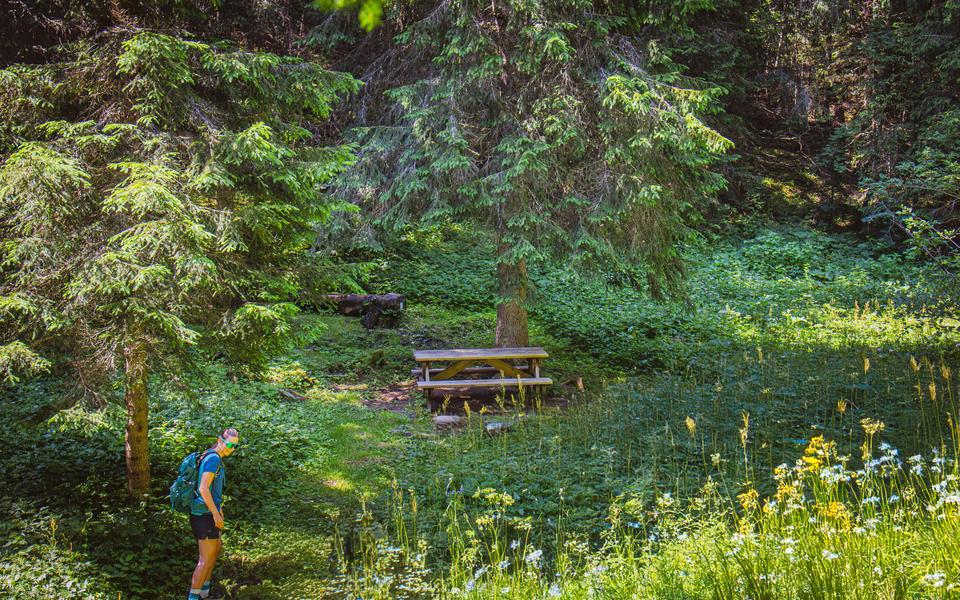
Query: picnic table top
{"x":479,"y":353}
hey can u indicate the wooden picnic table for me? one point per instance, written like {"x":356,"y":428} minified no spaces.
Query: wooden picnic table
{"x":460,"y":362}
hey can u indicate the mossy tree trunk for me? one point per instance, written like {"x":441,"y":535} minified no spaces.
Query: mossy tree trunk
{"x":137,"y":450}
{"x":512,"y":331}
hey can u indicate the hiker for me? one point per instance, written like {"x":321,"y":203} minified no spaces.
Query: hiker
{"x":206,"y":514}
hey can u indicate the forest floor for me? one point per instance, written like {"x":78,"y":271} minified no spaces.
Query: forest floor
{"x":788,"y":336}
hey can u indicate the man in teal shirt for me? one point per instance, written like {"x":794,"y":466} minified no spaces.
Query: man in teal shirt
{"x":206,"y":514}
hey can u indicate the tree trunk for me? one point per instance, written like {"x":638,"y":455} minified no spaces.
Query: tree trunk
{"x":512,"y":311}
{"x":135,"y":394}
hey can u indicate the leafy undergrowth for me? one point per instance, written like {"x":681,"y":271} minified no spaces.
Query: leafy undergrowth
{"x":297,"y":477}
{"x":788,"y":288}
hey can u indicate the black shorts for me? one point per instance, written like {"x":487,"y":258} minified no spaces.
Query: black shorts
{"x":204,"y":528}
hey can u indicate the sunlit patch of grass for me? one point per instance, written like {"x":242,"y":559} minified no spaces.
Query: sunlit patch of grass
{"x":338,"y":483}
{"x":325,"y":394}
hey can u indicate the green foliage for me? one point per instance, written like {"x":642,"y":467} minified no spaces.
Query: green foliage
{"x":183,"y":214}
{"x":454,"y":271}
{"x":369,"y":12}
{"x":561,"y":127}
{"x":63,"y":520}
{"x":163,"y":187}
{"x":873,"y":81}
{"x":16,"y":357}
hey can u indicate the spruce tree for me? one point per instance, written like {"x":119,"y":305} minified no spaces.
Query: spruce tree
{"x":563,"y":127}
{"x":158,"y":195}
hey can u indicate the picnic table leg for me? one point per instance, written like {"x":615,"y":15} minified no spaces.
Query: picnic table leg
{"x":425,"y":375}
{"x":538,"y":390}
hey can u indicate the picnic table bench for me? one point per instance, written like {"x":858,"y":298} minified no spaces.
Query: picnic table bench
{"x":490,"y":361}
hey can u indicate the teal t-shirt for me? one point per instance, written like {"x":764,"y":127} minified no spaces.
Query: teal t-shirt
{"x":212,"y":463}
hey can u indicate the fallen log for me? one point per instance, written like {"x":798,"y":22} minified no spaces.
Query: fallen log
{"x":374,"y":310}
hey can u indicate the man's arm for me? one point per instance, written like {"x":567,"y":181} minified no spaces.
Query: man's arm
{"x":207,"y":496}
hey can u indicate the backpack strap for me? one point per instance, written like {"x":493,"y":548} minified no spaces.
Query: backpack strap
{"x":203,"y":455}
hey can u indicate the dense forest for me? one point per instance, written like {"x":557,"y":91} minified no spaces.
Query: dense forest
{"x":732,"y":228}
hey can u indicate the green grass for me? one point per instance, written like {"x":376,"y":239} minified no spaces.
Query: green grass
{"x":803,"y":334}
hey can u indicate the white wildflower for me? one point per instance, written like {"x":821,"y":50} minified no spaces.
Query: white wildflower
{"x":834,"y":474}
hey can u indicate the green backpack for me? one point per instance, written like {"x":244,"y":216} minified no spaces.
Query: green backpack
{"x":184,"y":487}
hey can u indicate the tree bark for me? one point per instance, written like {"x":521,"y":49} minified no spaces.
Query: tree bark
{"x":135,"y":394}
{"x":512,"y":329}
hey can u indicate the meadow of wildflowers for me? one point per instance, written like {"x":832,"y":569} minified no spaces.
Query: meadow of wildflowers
{"x":887,"y":529}
{"x":846,"y":514}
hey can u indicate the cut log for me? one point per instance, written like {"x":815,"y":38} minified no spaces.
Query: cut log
{"x":374,"y":310}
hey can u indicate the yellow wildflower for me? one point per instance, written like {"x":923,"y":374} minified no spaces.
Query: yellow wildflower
{"x":837,"y":511}
{"x":691,"y":426}
{"x":749,"y":499}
